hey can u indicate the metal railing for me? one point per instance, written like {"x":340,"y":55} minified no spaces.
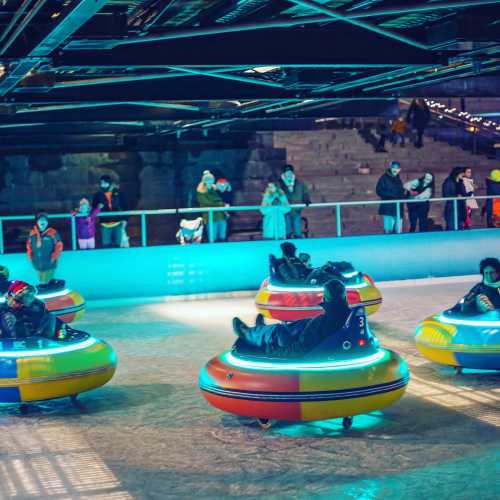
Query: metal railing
{"x":143,"y":214}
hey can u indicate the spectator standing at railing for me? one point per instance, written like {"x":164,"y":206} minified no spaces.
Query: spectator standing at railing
{"x":297,"y":193}
{"x":207,"y":196}
{"x":86,"y":222}
{"x":225,"y":190}
{"x":44,"y":247}
{"x":110,"y":199}
{"x":275,"y":206}
{"x":390,"y":187}
{"x":453,"y":187}
{"x":492,"y":206}
{"x":470,"y":203}
{"x":418,"y":212}
{"x":418,"y":117}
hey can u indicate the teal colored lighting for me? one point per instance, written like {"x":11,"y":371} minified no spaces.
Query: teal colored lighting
{"x":373,"y":359}
{"x":350,"y":275}
{"x":310,"y":289}
{"x":469,"y":322}
{"x":49,"y":351}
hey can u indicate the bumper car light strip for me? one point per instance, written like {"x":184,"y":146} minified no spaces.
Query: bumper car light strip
{"x":308,"y":289}
{"x":48,"y":351}
{"x":44,"y":296}
{"x":463,"y":348}
{"x":468,"y":322}
{"x":312,"y":366}
{"x":68,"y":310}
{"x":309,"y":396}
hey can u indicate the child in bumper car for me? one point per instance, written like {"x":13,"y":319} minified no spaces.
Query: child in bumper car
{"x":485,"y":296}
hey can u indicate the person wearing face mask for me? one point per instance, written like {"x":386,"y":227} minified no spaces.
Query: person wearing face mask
{"x":23,"y":315}
{"x":419,"y":189}
{"x":390,"y":187}
{"x":297,"y":193}
{"x":453,"y":187}
{"x":110,"y":199}
{"x":484,"y":296}
{"x":44,"y":247}
{"x":207,"y":196}
{"x":86,"y":221}
{"x":275,"y":206}
{"x":296,"y":338}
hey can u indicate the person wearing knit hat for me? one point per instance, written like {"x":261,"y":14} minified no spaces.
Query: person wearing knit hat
{"x":492,"y":207}
{"x":44,"y":247}
{"x":207,"y":196}
{"x":296,"y":338}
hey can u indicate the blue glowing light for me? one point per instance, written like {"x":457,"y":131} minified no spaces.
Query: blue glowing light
{"x":49,"y":351}
{"x":305,"y":366}
{"x":469,"y":322}
{"x":309,"y":289}
{"x":350,"y":275}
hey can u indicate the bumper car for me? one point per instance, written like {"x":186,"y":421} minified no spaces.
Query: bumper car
{"x":68,"y":305}
{"x":291,"y":302}
{"x":462,"y":341}
{"x":345,"y":375}
{"x":39,"y":369}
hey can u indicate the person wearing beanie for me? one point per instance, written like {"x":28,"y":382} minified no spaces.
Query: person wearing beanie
{"x":110,"y":199}
{"x":390,"y":187}
{"x":23,"y":315}
{"x":291,"y":269}
{"x":297,"y":193}
{"x":44,"y":247}
{"x":296,"y":338}
{"x":492,"y":207}
{"x":86,"y":222}
{"x":208,"y":196}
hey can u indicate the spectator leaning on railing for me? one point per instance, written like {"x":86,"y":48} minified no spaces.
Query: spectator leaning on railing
{"x":275,"y":206}
{"x":297,"y":193}
{"x":390,"y":187}
{"x":110,"y":199}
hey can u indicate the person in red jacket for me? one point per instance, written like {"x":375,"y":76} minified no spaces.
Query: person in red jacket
{"x":44,"y":247}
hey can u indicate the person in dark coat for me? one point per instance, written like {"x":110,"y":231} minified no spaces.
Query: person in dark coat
{"x":298,"y":337}
{"x":291,"y":269}
{"x":4,"y":279}
{"x":418,"y":117}
{"x":453,"y":187}
{"x":493,"y":189}
{"x":390,"y":187}
{"x":110,"y":199}
{"x":484,"y":296}
{"x":383,"y":132}
{"x":297,"y":193}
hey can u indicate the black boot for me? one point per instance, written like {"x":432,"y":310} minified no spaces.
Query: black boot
{"x":239,"y":327}
{"x":259,"y":320}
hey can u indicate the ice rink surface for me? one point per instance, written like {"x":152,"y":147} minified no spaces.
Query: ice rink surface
{"x":149,"y":434}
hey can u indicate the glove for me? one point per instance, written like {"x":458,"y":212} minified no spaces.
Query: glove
{"x":484,"y":304}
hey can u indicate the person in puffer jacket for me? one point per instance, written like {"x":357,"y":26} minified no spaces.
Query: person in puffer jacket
{"x":390,"y":187}
{"x":44,"y":247}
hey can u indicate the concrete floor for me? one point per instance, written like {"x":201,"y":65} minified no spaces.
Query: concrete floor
{"x":150,"y":435}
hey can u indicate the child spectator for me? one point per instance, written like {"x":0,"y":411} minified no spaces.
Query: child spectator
{"x":274,"y":207}
{"x":86,"y":219}
{"x":470,"y":203}
{"x":44,"y":246}
{"x":398,"y":130}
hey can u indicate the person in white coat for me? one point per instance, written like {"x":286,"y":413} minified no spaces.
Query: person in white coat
{"x":470,"y":202}
{"x":274,"y":208}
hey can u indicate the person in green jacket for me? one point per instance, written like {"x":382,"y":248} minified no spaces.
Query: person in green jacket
{"x":297,"y":193}
{"x":207,"y":196}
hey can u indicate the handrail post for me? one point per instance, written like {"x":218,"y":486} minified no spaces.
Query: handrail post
{"x":455,"y":214}
{"x":399,"y":222}
{"x":338,"y":220}
{"x":73,"y":232}
{"x":210,"y":226}
{"x":276,"y":215}
{"x":1,"y":237}
{"x":144,"y":236}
